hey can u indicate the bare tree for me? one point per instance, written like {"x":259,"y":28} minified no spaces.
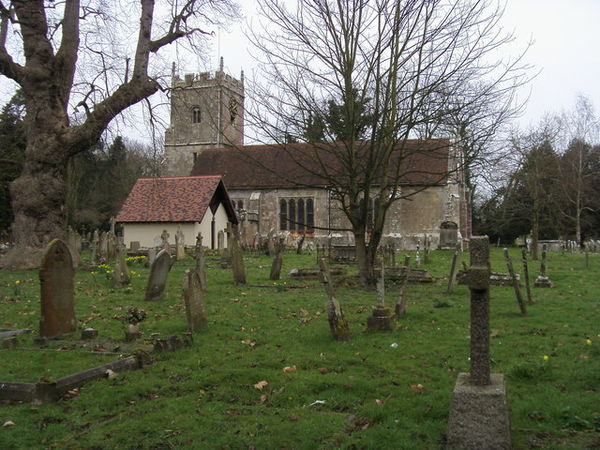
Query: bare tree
{"x":66,"y":54}
{"x":410,"y":66}
{"x":581,"y":130}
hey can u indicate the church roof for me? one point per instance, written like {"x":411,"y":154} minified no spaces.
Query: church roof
{"x":175,"y":199}
{"x":420,"y":162}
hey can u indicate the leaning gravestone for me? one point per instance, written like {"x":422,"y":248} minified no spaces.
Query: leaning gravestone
{"x":381,"y":320}
{"x":338,"y":324}
{"x":158,"y":276}
{"x":56,"y":288}
{"x":479,"y":416}
{"x":194,"y":305}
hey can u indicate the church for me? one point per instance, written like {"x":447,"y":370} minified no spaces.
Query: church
{"x":206,"y":138}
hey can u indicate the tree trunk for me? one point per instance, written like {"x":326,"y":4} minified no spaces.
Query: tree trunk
{"x":38,"y":201}
{"x":364,"y":261}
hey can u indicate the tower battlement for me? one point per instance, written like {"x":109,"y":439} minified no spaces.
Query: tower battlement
{"x":207,"y":111}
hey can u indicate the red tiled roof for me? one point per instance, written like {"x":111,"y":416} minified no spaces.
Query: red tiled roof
{"x":171,"y":199}
{"x":266,"y":166}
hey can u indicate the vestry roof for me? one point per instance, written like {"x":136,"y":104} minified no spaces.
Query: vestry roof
{"x":175,"y":199}
{"x":269,"y":166}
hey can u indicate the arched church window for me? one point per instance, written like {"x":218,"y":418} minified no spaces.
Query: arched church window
{"x":196,"y":116}
{"x":283,"y":223}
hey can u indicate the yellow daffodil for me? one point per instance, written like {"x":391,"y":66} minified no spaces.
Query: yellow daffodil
{"x":588,"y":341}
{"x":545,"y":357}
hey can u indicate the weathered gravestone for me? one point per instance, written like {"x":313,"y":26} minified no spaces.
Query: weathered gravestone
{"x":134,"y":246}
{"x":400,"y":308}
{"x":121,"y":275}
{"x":164,"y":241}
{"x":237,"y":259}
{"x":340,"y":330}
{"x":151,"y":256}
{"x":158,"y":276}
{"x":111,"y":242}
{"x":200,"y":263}
{"x":56,"y":288}
{"x":448,"y":236}
{"x":103,"y":251}
{"x":542,"y":281}
{"x":515,"y":283}
{"x":94,"y":247}
{"x":72,"y":244}
{"x":479,"y":416}
{"x":275,"y":273}
{"x":221,"y":242}
{"x":381,"y":320}
{"x":179,"y":244}
{"x":194,"y":304}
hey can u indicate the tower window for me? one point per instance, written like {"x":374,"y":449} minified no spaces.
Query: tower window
{"x":196,"y":117}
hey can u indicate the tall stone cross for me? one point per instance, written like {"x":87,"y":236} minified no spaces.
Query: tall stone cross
{"x":479,"y":285}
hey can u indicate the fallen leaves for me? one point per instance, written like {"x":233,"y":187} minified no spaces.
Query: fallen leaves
{"x":261,"y":384}
{"x":8,"y":423}
{"x":323,"y":370}
{"x":250,"y":343}
{"x":289,"y":369}
{"x":417,"y":388}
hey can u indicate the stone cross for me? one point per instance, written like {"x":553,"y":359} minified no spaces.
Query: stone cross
{"x":479,"y":285}
{"x":542,"y":280}
{"x":56,"y":289}
{"x":338,"y":324}
{"x":194,"y":304}
{"x":158,"y":276}
{"x":200,"y":263}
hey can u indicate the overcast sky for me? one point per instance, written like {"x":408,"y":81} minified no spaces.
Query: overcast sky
{"x":565,"y":51}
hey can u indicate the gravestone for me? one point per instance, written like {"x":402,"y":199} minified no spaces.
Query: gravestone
{"x":103,"y":251}
{"x":400,"y":308}
{"x":111,"y":242}
{"x":57,"y":292}
{"x":194,"y":304}
{"x":278,"y":247}
{"x":151,"y":256}
{"x":121,"y":275}
{"x":94,"y":247}
{"x":340,"y":330}
{"x":200,"y":263}
{"x":448,"y":236}
{"x":164,"y":241}
{"x":221,"y":242}
{"x":530,"y":300}
{"x":453,"y":272}
{"x":542,"y":281}
{"x":134,"y":246}
{"x":381,"y":319}
{"x":515,"y":283}
{"x":479,"y":416}
{"x":72,"y":244}
{"x":237,"y":259}
{"x":179,"y":244}
{"x":158,"y":276}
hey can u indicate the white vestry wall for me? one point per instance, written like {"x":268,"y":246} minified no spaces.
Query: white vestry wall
{"x":146,"y":232}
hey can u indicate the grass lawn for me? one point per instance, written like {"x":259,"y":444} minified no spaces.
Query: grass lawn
{"x":362,"y":393}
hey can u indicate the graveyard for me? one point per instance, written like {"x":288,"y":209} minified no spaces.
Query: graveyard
{"x":264,"y":371}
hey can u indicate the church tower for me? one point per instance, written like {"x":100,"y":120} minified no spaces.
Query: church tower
{"x":207,"y":111}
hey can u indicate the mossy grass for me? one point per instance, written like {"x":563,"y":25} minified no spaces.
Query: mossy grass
{"x":359,"y":393}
